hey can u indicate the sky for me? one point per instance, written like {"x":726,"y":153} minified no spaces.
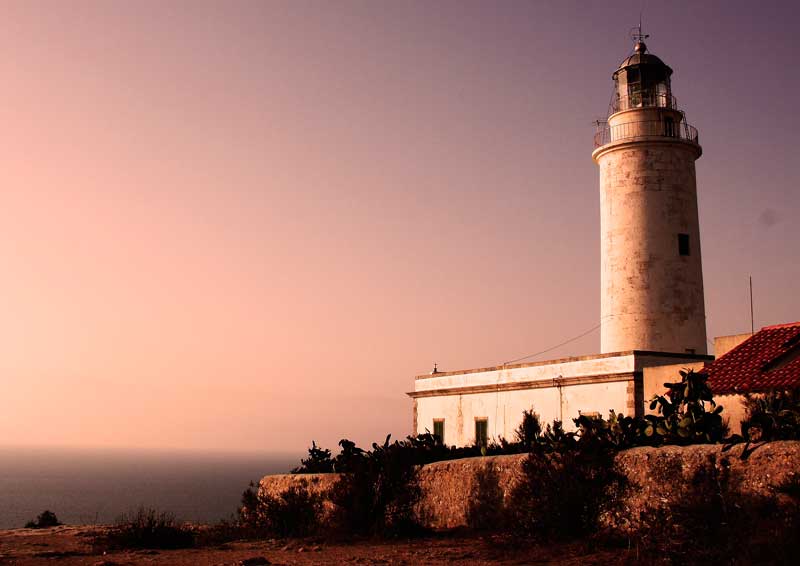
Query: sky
{"x":244,"y":226}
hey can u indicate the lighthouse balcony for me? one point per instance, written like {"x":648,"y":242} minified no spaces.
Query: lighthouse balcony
{"x":647,"y":129}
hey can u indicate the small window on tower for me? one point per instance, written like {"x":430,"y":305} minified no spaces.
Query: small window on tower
{"x":683,"y":244}
{"x":438,"y":429}
{"x":481,"y":431}
{"x":669,"y":127}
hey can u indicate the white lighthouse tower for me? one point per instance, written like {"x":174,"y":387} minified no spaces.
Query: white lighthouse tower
{"x":651,"y":273}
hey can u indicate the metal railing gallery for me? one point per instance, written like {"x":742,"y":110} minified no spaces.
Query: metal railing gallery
{"x":651,"y":128}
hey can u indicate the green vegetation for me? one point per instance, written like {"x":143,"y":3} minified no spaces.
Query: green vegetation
{"x":774,"y":415}
{"x":378,"y":489}
{"x":294,"y":513}
{"x":486,"y":509}
{"x":528,"y":431}
{"x":685,"y":415}
{"x":148,"y":528}
{"x":566,"y":481}
{"x":318,"y":462}
{"x":44,"y":520}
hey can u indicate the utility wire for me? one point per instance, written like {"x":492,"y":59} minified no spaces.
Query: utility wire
{"x":554,"y":347}
{"x":568,"y":341}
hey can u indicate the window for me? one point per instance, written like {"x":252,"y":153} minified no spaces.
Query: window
{"x":634,"y":88}
{"x":481,"y":431}
{"x":438,"y":429}
{"x":662,"y":95}
{"x":669,"y":127}
{"x":683,"y":244}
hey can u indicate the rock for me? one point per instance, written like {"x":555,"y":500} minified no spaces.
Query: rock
{"x":254,"y":561}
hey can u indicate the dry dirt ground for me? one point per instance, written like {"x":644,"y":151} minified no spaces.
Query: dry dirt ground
{"x":72,"y":546}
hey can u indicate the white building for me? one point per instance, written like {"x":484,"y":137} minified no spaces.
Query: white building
{"x":652,"y":304}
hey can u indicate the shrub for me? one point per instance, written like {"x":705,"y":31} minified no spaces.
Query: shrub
{"x":684,"y":418}
{"x":295,"y":512}
{"x":318,"y":462}
{"x":774,"y":415}
{"x":44,"y":520}
{"x":564,"y":485}
{"x":529,"y":430}
{"x":149,"y":528}
{"x":486,"y":506}
{"x":378,"y":489}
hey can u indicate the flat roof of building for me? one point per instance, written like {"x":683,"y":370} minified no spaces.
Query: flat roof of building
{"x":643,"y":353}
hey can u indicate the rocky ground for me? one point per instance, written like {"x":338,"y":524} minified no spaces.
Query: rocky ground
{"x":69,"y":545}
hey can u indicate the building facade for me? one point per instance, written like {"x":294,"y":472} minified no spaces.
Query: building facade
{"x":463,"y":407}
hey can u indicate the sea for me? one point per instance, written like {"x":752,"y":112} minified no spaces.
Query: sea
{"x":98,"y":486}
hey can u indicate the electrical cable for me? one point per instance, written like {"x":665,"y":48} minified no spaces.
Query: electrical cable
{"x":554,"y":347}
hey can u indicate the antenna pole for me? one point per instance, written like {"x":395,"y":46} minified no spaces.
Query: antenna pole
{"x":636,"y":32}
{"x":752,"y":325}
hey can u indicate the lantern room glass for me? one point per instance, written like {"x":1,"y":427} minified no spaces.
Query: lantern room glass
{"x":643,"y":85}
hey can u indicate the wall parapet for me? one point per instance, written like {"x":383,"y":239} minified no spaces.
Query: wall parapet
{"x":657,"y":478}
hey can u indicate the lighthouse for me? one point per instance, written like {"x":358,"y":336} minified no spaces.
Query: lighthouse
{"x":653,"y":314}
{"x":651,"y":271}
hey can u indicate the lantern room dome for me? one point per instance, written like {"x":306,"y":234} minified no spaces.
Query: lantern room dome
{"x":642,"y":57}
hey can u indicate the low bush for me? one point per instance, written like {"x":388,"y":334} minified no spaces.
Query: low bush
{"x":486,"y":508}
{"x":319,"y":461}
{"x":424,"y":449}
{"x":149,"y":528}
{"x":377,"y":490}
{"x":44,"y":520}
{"x":529,"y":430}
{"x":295,"y":512}
{"x":774,"y":415}
{"x":564,"y":485}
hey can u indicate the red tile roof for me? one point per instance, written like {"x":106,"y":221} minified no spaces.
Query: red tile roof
{"x":769,"y":359}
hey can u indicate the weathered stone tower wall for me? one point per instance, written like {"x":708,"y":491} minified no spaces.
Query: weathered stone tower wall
{"x":651,"y":271}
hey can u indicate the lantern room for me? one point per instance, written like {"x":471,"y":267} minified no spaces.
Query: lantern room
{"x":642,"y":81}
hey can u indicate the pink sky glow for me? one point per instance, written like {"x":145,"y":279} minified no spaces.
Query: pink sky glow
{"x":247,"y":225}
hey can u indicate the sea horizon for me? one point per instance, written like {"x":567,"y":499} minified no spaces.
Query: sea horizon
{"x":96,"y":485}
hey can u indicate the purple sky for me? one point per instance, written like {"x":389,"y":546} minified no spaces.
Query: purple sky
{"x":244,"y":225}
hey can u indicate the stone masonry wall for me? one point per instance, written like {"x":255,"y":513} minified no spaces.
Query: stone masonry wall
{"x":659,"y":478}
{"x":651,"y":295}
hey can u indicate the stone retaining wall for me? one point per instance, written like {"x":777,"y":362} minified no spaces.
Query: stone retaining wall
{"x":658,"y":477}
